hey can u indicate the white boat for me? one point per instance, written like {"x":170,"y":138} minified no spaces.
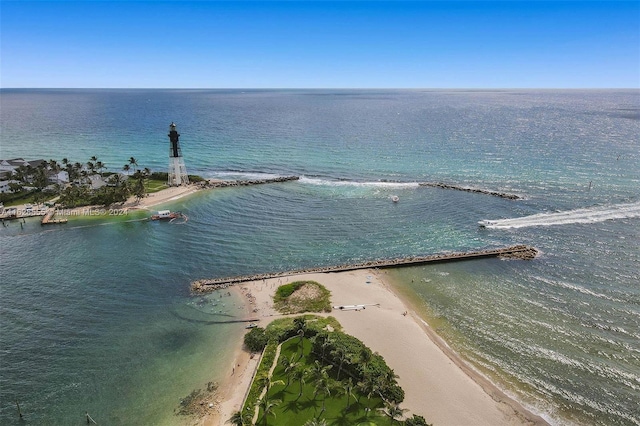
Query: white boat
{"x":395,"y":198}
{"x":165,"y":215}
{"x":485,"y":223}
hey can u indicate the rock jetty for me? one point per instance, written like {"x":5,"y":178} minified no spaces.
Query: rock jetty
{"x":475,"y":190}
{"x":214,"y":183}
{"x":521,"y":252}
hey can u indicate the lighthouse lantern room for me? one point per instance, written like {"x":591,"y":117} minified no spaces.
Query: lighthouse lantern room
{"x":177,"y":170}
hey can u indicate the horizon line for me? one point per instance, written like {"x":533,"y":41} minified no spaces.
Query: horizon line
{"x":320,"y":88}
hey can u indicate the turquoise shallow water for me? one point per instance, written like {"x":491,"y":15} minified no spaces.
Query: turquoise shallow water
{"x":96,"y":316}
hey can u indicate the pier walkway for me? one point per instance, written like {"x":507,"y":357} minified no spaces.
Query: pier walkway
{"x":48,"y":218}
{"x":514,"y":252}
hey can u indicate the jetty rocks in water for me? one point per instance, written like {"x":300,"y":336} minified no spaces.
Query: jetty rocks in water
{"x":475,"y":190}
{"x":213,"y":183}
{"x":520,"y":252}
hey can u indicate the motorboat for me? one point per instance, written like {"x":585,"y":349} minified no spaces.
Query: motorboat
{"x":166,"y":215}
{"x":485,"y":223}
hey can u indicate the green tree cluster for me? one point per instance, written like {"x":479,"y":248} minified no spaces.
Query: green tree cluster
{"x":321,"y":366}
{"x":256,"y":339}
{"x":355,"y":360}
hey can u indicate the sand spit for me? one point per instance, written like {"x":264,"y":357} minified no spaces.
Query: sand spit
{"x":438,"y":384}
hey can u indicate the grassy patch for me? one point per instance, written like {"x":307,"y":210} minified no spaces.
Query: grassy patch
{"x":154,"y":185}
{"x":302,"y":296}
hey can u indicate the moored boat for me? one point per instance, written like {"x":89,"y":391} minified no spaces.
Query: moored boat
{"x":165,"y":215}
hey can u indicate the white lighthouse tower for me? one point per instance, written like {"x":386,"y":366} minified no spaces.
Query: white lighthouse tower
{"x":177,"y":170}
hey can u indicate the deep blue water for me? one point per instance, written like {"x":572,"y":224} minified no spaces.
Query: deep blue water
{"x":97,"y":316}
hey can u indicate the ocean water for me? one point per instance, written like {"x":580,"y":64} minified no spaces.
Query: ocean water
{"x":96,"y":315}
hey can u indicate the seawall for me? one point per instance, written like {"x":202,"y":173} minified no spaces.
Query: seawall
{"x":513,"y":252}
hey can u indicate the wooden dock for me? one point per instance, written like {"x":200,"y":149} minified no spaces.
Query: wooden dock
{"x":48,"y":218}
{"x":513,"y":252}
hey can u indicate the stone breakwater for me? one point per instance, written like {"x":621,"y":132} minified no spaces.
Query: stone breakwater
{"x":477,"y":191}
{"x":521,"y":252}
{"x":213,"y":183}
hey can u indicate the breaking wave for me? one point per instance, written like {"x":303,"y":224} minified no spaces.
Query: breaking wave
{"x":326,"y":182}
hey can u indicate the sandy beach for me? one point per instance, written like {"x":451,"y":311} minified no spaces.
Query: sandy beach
{"x":437,"y":383}
{"x":162,"y":196}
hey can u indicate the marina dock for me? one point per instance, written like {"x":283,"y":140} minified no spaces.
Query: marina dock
{"x":48,"y":218}
{"x":522,"y":252}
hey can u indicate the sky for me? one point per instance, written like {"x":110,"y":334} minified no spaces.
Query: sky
{"x":295,"y":44}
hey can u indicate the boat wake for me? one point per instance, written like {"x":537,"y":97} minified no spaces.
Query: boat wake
{"x":587,"y":215}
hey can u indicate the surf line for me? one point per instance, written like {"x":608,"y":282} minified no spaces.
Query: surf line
{"x":393,"y":184}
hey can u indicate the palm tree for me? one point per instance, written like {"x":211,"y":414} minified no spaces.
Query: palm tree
{"x":348,"y":391}
{"x":236,"y":419}
{"x":319,"y":373}
{"x":100,"y":166}
{"x":54,"y":167}
{"x":126,"y":168}
{"x":316,"y":422}
{"x":389,"y":378}
{"x":68,"y":167}
{"x":77,"y":170}
{"x":289,"y":366}
{"x":138,"y":188}
{"x":268,"y":406}
{"x":300,"y":373}
{"x":300,"y":325}
{"x":342,"y":355}
{"x":365,"y":358}
{"x":134,"y":163}
{"x":39,"y":176}
{"x":393,"y":410}
{"x":326,"y":344}
{"x":324,"y":387}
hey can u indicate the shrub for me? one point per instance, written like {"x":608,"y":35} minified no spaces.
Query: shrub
{"x":256,"y":339}
{"x":316,"y":299}
{"x":287,"y":290}
{"x":416,"y":421}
